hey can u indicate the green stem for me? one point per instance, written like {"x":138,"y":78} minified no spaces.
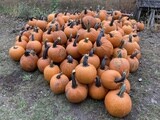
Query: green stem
{"x":98,"y":83}
{"x":122,"y":90}
{"x":85,"y":60}
{"x":69,"y":59}
{"x":103,"y":63}
{"x":74,"y":84}
{"x":118,"y":80}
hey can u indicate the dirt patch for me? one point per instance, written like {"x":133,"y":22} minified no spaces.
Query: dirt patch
{"x":27,"y":96}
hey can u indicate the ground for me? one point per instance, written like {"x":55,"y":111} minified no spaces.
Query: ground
{"x":27,"y":96}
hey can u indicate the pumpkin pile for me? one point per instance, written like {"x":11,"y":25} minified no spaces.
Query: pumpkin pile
{"x":87,"y":53}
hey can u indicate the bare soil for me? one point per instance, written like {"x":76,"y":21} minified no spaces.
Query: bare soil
{"x":27,"y":96}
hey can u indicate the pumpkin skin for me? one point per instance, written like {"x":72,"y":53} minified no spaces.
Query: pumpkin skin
{"x":120,"y":64}
{"x":37,"y":33}
{"x":131,"y":46}
{"x":41,"y":23}
{"x":121,"y":50}
{"x":58,"y":83}
{"x":71,"y":30}
{"x":133,"y":61}
{"x":118,"y":103}
{"x":96,"y":90}
{"x":32,"y":21}
{"x":92,"y":59}
{"x":116,"y":14}
{"x":109,"y":26}
{"x":16,"y":52}
{"x":89,"y":19}
{"x":127,"y":29}
{"x":21,"y":42}
{"x":85,"y":72}
{"x":140,"y":26}
{"x":84,"y":46}
{"x":48,"y":35}
{"x":50,"y":71}
{"x":75,"y":92}
{"x":43,"y":61}
{"x":28,"y":61}
{"x":68,"y":65}
{"x":57,"y":53}
{"x":103,"y":47}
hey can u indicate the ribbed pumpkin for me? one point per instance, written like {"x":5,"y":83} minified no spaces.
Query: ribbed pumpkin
{"x":118,"y":103}
{"x":85,"y":72}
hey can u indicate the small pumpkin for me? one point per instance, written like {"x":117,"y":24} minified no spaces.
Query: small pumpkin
{"x":57,"y":53}
{"x":50,"y":70}
{"x":116,"y":14}
{"x":20,"y":41}
{"x":68,"y":65}
{"x":140,"y":26}
{"x":16,"y":52}
{"x":96,"y":90}
{"x":58,"y":83}
{"x":85,"y":72}
{"x":37,"y":32}
{"x":48,"y":35}
{"x":44,"y":60}
{"x":89,"y":19}
{"x":28,"y":61}
{"x":84,"y":46}
{"x":75,"y":92}
{"x":41,"y":23}
{"x":32,"y":21}
{"x":127,"y":29}
{"x":109,"y":26}
{"x":133,"y":61}
{"x":118,"y":103}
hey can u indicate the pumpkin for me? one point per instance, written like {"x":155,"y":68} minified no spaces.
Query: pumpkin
{"x":71,"y":30}
{"x":92,"y":59}
{"x":57,"y":53}
{"x":140,"y":26}
{"x":120,"y":64}
{"x":68,"y":65}
{"x":89,"y":19}
{"x":37,"y":32}
{"x":103,"y":67}
{"x":115,"y":38}
{"x":28,"y":61}
{"x":34,"y":45}
{"x":135,"y":37}
{"x":72,"y":49}
{"x":102,"y":14}
{"x":85,"y":72}
{"x":75,"y":92}
{"x":109,"y":26}
{"x":32,"y":21}
{"x":96,"y":90}
{"x":22,"y":36}
{"x":50,"y":70}
{"x":131,"y":45}
{"x":20,"y":41}
{"x":118,"y":103}
{"x":116,"y":14}
{"x":48,"y":35}
{"x":127,"y":29}
{"x":102,"y":46}
{"x":121,"y":50}
{"x":133,"y":61}
{"x":58,"y":83}
{"x":41,"y":23}
{"x":70,"y":39}
{"x":44,"y":60}
{"x":84,"y":46}
{"x":81,"y":33}
{"x":59,"y":33}
{"x":16,"y":52}
{"x":53,"y":23}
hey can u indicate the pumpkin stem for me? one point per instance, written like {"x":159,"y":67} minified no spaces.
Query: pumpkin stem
{"x":20,"y":38}
{"x":70,"y":38}
{"x":85,"y":11}
{"x":122,"y":90}
{"x":27,"y":53}
{"x":52,"y":64}
{"x":90,"y":8}
{"x":98,"y":83}
{"x":88,"y":27}
{"x":59,"y":75}
{"x":56,"y":27}
{"x":45,"y":52}
{"x":119,"y":54}
{"x":56,"y":42}
{"x":35,"y":29}
{"x":98,"y":41}
{"x":56,"y":14}
{"x":130,"y":38}
{"x":72,"y":24}
{"x":53,"y":21}
{"x":121,"y":44}
{"x":74,"y":84}
{"x":31,"y":18}
{"x":62,"y":28}
{"x":75,"y":41}
{"x":96,"y":26}
{"x":85,"y":60}
{"x":103,"y":63}
{"x":91,"y":52}
{"x":110,"y":34}
{"x":135,"y":35}
{"x":70,"y":59}
{"x":45,"y":44}
{"x":15,"y":47}
{"x":118,"y":80}
{"x":134,"y":54}
{"x":86,"y":40}
{"x":32,"y":37}
{"x":49,"y":30}
{"x":111,"y":23}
